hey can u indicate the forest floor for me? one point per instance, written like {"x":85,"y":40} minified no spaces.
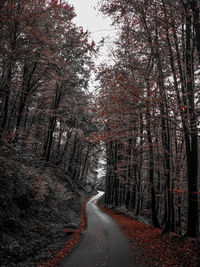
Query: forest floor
{"x":156,"y":248}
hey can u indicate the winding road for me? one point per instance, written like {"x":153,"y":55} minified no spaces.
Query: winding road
{"x":102,"y":243}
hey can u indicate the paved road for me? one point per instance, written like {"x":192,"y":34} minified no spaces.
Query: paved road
{"x":102,"y":244}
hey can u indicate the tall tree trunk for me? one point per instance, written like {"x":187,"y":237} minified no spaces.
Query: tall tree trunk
{"x":196,"y":21}
{"x":191,"y":141}
{"x":151,"y":162}
{"x":163,"y":109}
{"x":165,"y":129}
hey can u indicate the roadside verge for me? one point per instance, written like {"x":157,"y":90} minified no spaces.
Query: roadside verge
{"x":150,"y":245}
{"x":70,"y":243}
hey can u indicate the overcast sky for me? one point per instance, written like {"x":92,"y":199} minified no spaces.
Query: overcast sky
{"x":93,"y":21}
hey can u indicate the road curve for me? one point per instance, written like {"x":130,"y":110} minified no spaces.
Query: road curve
{"x":102,"y":243}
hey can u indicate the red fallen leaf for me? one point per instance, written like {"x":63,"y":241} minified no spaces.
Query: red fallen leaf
{"x":149,"y":243}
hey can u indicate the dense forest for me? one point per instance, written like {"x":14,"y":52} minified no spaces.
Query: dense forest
{"x":142,"y":122}
{"x":45,"y":66}
{"x":149,"y":104}
{"x":48,"y":167}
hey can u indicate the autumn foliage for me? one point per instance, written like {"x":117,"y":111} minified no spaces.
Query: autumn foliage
{"x":154,"y":248}
{"x":148,"y":107}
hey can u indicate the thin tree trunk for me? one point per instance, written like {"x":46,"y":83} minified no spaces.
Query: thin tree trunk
{"x":51,"y":126}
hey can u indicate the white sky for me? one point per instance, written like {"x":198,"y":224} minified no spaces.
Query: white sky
{"x":93,"y":21}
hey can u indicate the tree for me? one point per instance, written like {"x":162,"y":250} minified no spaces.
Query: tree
{"x":153,"y":74}
{"x":45,"y":67}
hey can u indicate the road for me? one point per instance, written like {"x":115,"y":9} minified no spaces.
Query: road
{"x":102,"y":243}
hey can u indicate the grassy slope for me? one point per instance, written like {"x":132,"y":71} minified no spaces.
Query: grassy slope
{"x":37,"y":203}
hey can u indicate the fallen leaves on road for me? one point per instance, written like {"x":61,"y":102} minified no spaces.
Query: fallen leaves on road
{"x":158,"y":249}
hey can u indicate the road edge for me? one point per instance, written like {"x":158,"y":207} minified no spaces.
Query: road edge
{"x":71,"y":243}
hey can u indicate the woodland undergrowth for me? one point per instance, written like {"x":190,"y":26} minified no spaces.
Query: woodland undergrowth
{"x":37,"y":203}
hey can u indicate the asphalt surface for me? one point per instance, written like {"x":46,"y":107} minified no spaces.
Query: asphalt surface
{"x":102,"y":243}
